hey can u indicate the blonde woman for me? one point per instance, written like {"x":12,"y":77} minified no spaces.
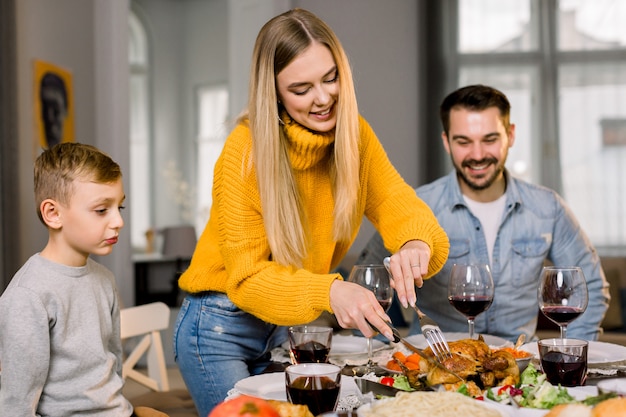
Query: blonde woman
{"x":294,"y":180}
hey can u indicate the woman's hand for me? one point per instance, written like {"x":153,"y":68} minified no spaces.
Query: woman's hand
{"x":354,"y":306}
{"x":407,"y":267}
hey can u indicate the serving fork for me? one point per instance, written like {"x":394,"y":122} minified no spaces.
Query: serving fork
{"x":397,"y":338}
{"x":430,"y":329}
{"x":434,"y":336}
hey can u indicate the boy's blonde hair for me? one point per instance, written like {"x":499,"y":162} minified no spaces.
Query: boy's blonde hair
{"x":280,"y":41}
{"x":57,"y":168}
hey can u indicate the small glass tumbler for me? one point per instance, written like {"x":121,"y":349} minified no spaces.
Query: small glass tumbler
{"x":310,"y":344}
{"x":564,"y":361}
{"x":315,"y":385}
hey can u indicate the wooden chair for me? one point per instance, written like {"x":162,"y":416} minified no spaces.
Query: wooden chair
{"x":146,"y":320}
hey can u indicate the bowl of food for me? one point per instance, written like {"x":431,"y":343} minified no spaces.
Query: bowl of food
{"x":522,"y":363}
{"x":522,"y":357}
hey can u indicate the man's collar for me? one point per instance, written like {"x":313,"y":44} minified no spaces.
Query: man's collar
{"x":455,"y":196}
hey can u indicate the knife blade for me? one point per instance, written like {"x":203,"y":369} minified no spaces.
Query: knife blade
{"x":365,"y":385}
{"x":397,"y":338}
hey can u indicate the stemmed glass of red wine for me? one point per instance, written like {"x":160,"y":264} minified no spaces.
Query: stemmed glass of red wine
{"x":562,"y":294}
{"x":376,"y":279}
{"x":470,"y":290}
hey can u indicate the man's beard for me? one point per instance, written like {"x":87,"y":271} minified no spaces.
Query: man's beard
{"x":488,"y":181}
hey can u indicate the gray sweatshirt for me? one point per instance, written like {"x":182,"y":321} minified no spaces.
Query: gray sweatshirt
{"x":60,"y":347}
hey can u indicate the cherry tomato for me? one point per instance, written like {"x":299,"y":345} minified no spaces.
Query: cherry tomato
{"x":387,"y":380}
{"x":504,"y":389}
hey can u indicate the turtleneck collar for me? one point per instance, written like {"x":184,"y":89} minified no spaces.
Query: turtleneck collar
{"x":306,"y":148}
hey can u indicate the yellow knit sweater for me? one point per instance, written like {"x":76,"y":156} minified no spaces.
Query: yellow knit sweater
{"x":232,"y":255}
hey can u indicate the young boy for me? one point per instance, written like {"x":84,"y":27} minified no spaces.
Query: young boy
{"x":60,"y":341}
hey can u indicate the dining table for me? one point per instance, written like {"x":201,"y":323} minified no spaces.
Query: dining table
{"x":606,"y":361}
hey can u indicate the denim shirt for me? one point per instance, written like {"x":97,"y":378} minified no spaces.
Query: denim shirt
{"x":536,"y":226}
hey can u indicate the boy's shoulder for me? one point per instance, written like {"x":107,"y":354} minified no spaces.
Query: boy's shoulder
{"x":40,"y":274}
{"x":29,"y":273}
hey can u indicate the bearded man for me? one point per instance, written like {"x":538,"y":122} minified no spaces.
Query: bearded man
{"x":493,"y":218}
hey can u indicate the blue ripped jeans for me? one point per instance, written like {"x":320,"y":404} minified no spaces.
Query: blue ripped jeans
{"x":216,"y":344}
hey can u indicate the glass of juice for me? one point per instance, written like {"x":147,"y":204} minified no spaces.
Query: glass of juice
{"x":564,"y":361}
{"x":315,"y":385}
{"x":310,"y":344}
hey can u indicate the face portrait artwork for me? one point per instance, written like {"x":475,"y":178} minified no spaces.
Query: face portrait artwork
{"x":53,"y":96}
{"x":52,"y":109}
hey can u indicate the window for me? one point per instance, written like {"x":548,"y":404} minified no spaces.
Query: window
{"x":177,"y":179}
{"x":561,"y":65}
{"x":212,"y":114}
{"x":140,"y":215}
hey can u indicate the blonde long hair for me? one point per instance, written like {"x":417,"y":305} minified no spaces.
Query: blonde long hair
{"x":281,"y":40}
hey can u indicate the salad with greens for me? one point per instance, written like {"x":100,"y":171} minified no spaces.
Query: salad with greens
{"x":534,"y":391}
{"x":400,"y":382}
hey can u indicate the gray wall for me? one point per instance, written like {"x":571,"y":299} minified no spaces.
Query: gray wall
{"x":9,"y":213}
{"x":189,"y":48}
{"x":88,"y":37}
{"x":381,"y":39}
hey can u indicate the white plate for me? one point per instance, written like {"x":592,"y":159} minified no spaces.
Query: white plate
{"x":580,"y":393}
{"x":599,"y":352}
{"x":493,"y":341}
{"x":342,"y":345}
{"x":271,"y":386}
{"x":616,"y":385}
{"x":353,"y":345}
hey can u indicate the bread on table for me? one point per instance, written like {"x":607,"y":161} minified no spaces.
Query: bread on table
{"x":614,"y":407}
{"x":286,"y":409}
{"x":570,"y":410}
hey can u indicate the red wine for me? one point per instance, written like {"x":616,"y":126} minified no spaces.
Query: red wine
{"x":471,"y":306}
{"x":320,"y":394}
{"x":564,"y":369}
{"x":385,"y":304}
{"x":561,"y":314}
{"x":309,"y":352}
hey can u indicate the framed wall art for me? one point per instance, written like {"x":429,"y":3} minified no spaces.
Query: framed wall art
{"x":53,"y":104}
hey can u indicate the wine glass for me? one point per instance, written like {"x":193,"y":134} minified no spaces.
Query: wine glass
{"x":562,"y":295}
{"x":376,"y":279}
{"x":470,"y":290}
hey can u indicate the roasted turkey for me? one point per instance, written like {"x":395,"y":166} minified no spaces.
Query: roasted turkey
{"x":475,"y":362}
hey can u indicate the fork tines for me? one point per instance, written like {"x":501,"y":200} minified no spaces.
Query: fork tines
{"x":437,"y":343}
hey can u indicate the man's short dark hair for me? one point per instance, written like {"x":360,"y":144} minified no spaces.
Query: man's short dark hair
{"x":474,"y":97}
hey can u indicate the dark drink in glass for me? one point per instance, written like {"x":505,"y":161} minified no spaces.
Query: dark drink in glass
{"x":315,"y":385}
{"x":310,"y":352}
{"x":309,"y":344}
{"x":562,"y":294}
{"x":561,"y":314}
{"x":564,"y":361}
{"x":471,"y":306}
{"x":564,"y":369}
{"x":319,"y":393}
{"x":385,"y":304}
{"x":470,"y":291}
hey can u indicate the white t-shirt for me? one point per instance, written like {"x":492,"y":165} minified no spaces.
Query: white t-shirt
{"x":490,"y":215}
